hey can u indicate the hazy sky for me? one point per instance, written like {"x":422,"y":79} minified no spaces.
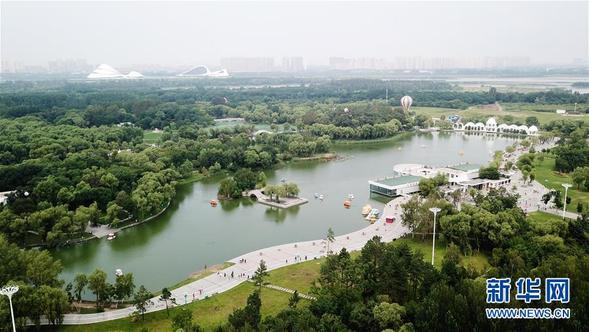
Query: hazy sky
{"x":122,"y":33}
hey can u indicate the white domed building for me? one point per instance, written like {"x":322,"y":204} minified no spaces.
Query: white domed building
{"x":491,"y":125}
{"x":134,"y":75}
{"x":105,"y":71}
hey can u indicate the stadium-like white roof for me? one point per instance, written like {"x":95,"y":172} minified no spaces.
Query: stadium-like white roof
{"x":203,"y":71}
{"x":134,"y":74}
{"x":105,"y":71}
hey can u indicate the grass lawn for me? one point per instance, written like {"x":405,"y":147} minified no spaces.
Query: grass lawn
{"x":151,"y":137}
{"x":551,"y":179}
{"x":298,"y":276}
{"x":208,"y":313}
{"x":519,"y":112}
{"x":542,"y":217}
{"x":477,"y":260}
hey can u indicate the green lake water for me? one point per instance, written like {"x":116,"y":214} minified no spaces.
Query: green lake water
{"x":192,"y":234}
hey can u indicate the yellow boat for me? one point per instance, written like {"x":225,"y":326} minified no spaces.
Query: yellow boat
{"x":366,"y":209}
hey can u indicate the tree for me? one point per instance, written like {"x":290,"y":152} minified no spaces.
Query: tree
{"x":245,"y":179}
{"x":249,"y":316}
{"x":410,"y":216}
{"x":294,"y":299}
{"x":261,"y":181}
{"x":490,"y":172}
{"x":330,"y":237}
{"x":141,"y":300}
{"x":113,"y":212}
{"x":54,"y":303}
{"x":166,"y":294}
{"x":260,"y":274}
{"x":389,"y":315}
{"x":182,"y":321}
{"x":292,"y":189}
{"x":80,"y":282}
{"x":532,"y":121}
{"x":124,"y":286}
{"x":228,"y":188}
{"x":98,"y":285}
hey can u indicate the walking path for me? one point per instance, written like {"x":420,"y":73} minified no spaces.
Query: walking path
{"x":274,"y":257}
{"x":290,"y":291}
{"x":531,"y":192}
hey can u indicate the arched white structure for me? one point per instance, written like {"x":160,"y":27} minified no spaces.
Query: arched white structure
{"x":134,"y":75}
{"x":105,"y":71}
{"x":203,"y":71}
{"x":491,"y":125}
{"x":502,"y":128}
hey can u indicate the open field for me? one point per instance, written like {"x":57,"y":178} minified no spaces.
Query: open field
{"x":519,"y":112}
{"x":151,"y":137}
{"x":551,"y":179}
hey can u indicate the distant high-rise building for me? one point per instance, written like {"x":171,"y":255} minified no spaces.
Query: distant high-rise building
{"x":248,"y":64}
{"x":293,"y":64}
{"x":68,"y":66}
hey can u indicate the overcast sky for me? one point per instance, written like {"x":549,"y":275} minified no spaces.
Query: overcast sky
{"x":198,"y":32}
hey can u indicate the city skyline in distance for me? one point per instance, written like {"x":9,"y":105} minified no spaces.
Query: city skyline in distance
{"x":543,"y":32}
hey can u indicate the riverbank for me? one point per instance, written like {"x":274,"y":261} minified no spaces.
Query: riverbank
{"x":321,"y":156}
{"x":395,"y":138}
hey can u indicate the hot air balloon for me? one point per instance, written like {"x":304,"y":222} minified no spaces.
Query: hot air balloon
{"x":406,"y":103}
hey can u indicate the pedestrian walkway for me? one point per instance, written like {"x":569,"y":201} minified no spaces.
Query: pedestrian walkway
{"x":275,"y":257}
{"x":291,"y":291}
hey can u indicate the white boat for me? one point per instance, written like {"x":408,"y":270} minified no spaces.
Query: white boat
{"x":351,"y":196}
{"x":118,"y":272}
{"x":316,"y":195}
{"x":321,"y":197}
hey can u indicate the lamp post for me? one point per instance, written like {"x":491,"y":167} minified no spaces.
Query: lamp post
{"x":566,"y":189}
{"x":435,"y":210}
{"x":9,"y":291}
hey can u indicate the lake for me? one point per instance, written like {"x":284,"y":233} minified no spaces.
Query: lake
{"x":192,"y":234}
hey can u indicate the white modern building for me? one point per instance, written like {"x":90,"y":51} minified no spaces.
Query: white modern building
{"x":203,"y":71}
{"x":491,"y":126}
{"x":407,"y":176}
{"x":105,"y":71}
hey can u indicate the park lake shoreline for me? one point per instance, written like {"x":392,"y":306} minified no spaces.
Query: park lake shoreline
{"x":209,"y":235}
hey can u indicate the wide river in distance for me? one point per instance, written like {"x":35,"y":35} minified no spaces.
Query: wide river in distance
{"x":192,"y":234}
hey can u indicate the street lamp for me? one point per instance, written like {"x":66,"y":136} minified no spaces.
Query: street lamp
{"x":9,"y":291}
{"x":566,"y":189}
{"x":435,"y":211}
